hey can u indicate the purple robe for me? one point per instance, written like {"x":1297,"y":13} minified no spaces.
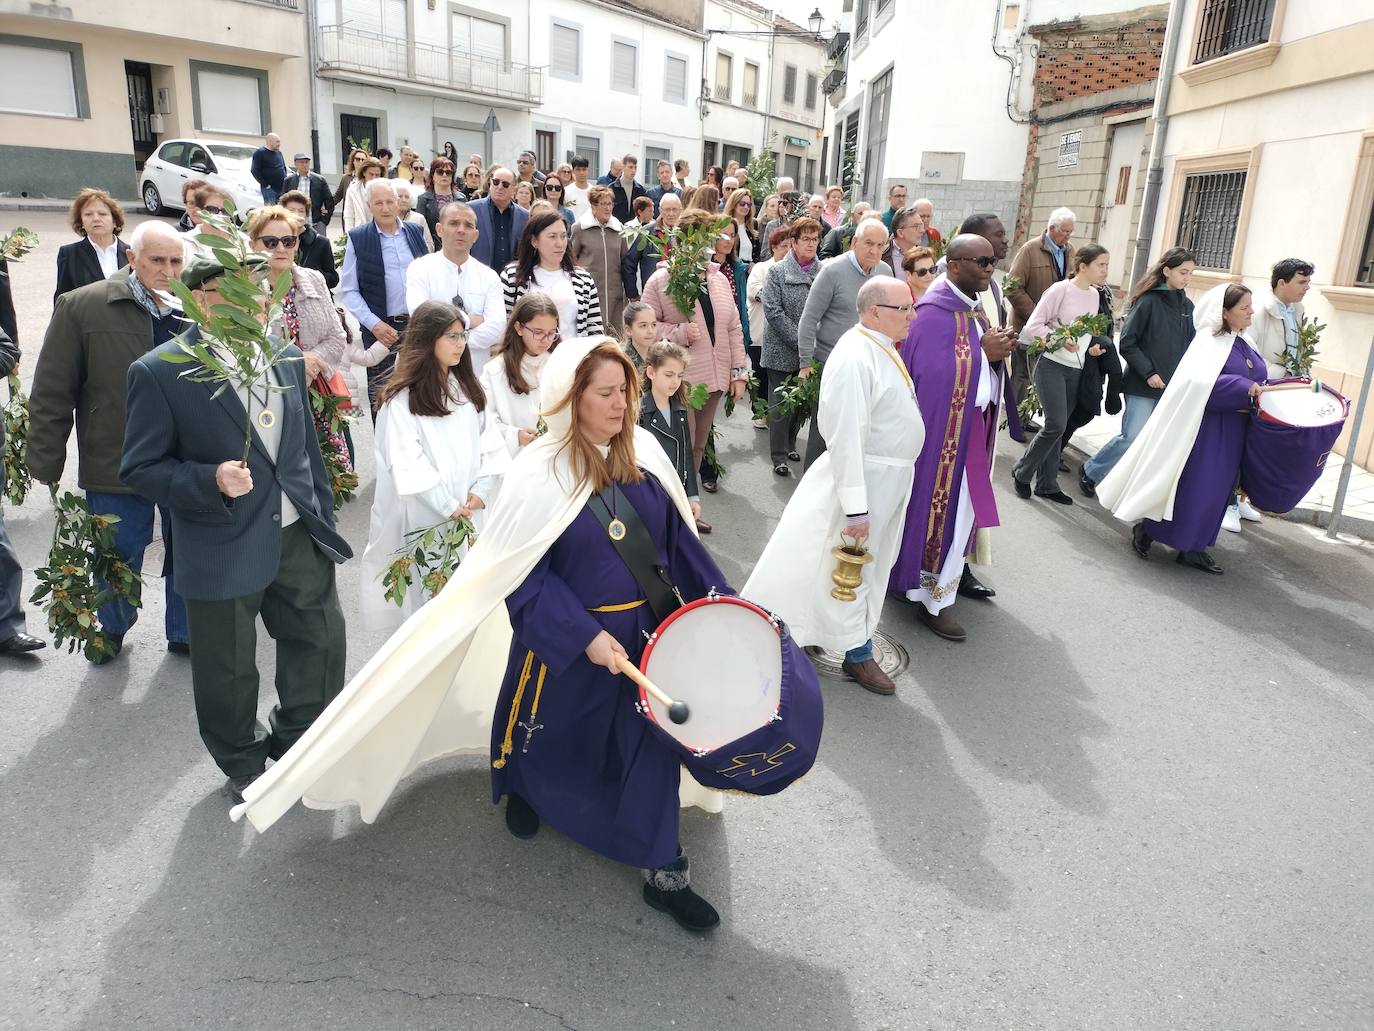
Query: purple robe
{"x":1208,"y":481}
{"x":943,"y":355}
{"x":591,"y":768}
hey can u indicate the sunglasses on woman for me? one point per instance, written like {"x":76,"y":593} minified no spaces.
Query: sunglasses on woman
{"x":553,"y":189}
{"x":273,"y":242}
{"x":929,"y":270}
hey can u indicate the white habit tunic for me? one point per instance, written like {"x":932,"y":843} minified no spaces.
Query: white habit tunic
{"x":513,"y":412}
{"x":421,"y":459}
{"x":874,"y":432}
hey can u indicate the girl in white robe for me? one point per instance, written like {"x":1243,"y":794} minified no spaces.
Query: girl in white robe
{"x":510,"y":379}
{"x":439,"y":453}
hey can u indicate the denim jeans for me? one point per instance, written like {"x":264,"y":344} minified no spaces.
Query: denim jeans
{"x":860,"y":654}
{"x":1133,"y":420}
{"x":133,"y":533}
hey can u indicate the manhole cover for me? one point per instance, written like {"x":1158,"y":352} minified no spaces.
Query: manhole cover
{"x":890,"y":655}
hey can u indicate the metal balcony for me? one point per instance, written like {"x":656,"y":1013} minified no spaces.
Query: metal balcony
{"x":350,"y":53}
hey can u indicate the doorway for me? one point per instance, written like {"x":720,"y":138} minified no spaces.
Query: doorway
{"x":1118,"y":199}
{"x":356,"y":131}
{"x":138,"y":77}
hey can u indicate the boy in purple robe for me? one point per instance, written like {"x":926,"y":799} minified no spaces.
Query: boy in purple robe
{"x":957,"y":365}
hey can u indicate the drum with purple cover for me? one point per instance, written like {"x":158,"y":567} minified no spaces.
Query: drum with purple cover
{"x":1292,"y":430}
{"x":754,"y":699}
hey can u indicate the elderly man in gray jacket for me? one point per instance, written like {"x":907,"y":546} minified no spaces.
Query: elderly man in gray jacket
{"x":829,"y":311}
{"x":249,"y":539}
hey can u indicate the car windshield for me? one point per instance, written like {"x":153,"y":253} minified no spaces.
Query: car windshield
{"x":231,"y":151}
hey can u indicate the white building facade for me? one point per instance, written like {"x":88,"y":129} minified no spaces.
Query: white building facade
{"x":934,"y":96}
{"x":1269,"y":154}
{"x":619,"y":81}
{"x":796,"y":108}
{"x":419,"y":73}
{"x":733,"y":94}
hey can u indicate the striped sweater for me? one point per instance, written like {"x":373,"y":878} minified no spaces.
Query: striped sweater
{"x":584,"y":287}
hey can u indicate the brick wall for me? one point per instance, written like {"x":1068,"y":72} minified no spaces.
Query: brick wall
{"x":1079,"y":60}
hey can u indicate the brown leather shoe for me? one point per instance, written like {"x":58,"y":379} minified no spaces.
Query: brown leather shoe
{"x":942,"y":625}
{"x":870,"y":676}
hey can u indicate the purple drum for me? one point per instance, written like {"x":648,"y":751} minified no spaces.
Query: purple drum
{"x":1292,"y":430}
{"x":756,"y":712}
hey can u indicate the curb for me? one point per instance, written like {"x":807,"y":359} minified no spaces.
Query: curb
{"x":53,"y":204}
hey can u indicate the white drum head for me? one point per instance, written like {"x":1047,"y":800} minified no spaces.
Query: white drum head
{"x":1303,"y":407}
{"x":724,"y":659}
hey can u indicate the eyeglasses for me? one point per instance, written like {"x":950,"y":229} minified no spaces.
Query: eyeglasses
{"x":273,"y":242}
{"x":553,"y":188}
{"x":443,"y":171}
{"x":928,"y":271}
{"x":212,"y":209}
{"x":524,"y":161}
{"x":457,"y":334}
{"x":895,"y":307}
{"x":983,"y":262}
{"x":421,"y":170}
{"x":539,"y":334}
{"x":503,"y":182}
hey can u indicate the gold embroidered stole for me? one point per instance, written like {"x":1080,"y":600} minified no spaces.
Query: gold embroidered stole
{"x":954,"y":431}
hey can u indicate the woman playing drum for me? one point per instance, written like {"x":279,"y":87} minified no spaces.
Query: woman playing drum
{"x":1180,"y":472}
{"x":544,"y":703}
{"x":567,"y":743}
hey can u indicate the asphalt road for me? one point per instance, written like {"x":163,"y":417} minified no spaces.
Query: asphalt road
{"x":1138,"y":797}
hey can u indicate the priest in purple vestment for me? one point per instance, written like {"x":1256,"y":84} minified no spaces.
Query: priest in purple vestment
{"x":958,"y":365}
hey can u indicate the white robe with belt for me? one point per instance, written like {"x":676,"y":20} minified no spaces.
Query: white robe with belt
{"x":873,"y":432}
{"x":415,"y":454}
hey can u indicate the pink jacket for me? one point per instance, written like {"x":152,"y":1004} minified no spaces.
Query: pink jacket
{"x":705,"y":363}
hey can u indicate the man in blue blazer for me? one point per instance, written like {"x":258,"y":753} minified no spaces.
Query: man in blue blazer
{"x":249,"y":539}
{"x":500,"y":221}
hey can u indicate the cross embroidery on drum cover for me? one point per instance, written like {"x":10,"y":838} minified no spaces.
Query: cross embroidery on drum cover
{"x":757,"y":762}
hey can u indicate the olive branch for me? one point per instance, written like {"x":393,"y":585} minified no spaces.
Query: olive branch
{"x":685,"y":251}
{"x":234,"y":348}
{"x":1300,"y":363}
{"x":427,"y":556}
{"x":1089,"y":325}
{"x":17,"y":480}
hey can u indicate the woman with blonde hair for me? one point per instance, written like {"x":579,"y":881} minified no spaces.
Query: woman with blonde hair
{"x":352,"y":169}
{"x":739,"y":208}
{"x":705,"y":198}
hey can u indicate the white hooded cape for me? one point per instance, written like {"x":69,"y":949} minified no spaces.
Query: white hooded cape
{"x":432,"y":688}
{"x":1144,"y":483}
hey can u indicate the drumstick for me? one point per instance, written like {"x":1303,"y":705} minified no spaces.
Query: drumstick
{"x":677,"y":711}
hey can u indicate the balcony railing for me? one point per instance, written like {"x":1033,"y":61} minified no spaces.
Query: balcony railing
{"x":285,"y":5}
{"x":390,"y":57}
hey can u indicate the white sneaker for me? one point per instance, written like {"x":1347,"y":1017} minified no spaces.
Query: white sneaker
{"x":1248,"y":512}
{"x":1231,"y":521}
{"x":762,"y":424}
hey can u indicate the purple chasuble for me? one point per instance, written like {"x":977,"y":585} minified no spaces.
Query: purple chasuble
{"x":944,"y":358}
{"x":565,"y":734}
{"x":1209,"y":477}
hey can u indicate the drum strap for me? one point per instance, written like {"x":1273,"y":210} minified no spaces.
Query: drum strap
{"x":636,"y":549}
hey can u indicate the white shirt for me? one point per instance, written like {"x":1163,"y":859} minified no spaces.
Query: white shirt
{"x":985,"y":387}
{"x":434,"y":277}
{"x":575,"y":197}
{"x":559,"y":286}
{"x":107,"y":256}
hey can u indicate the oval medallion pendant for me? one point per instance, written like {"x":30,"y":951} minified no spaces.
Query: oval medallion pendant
{"x":266,"y":419}
{"x":616,"y":530}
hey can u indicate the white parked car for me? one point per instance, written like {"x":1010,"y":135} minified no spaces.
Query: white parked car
{"x":219,"y":162}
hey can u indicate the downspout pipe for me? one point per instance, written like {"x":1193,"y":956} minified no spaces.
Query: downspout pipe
{"x":312,"y":63}
{"x":1154,"y":177}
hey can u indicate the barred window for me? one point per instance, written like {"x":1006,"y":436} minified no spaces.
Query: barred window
{"x":1211,"y":212}
{"x":1231,"y":25}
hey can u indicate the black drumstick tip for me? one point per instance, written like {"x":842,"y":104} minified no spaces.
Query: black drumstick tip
{"x":678,"y":712}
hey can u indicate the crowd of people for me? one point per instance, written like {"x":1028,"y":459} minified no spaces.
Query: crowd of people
{"x":525,"y":359}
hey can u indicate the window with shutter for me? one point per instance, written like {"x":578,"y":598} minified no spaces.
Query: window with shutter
{"x":725,"y":71}
{"x":675,"y":80}
{"x":789,"y":84}
{"x":589,"y":147}
{"x":811,"y":86}
{"x":751,"y":85}
{"x":38,"y":81}
{"x":624,"y":67}
{"x":565,"y":51}
{"x":229,"y":103}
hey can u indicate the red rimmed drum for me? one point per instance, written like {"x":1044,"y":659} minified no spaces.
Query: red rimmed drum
{"x":1292,"y":430}
{"x":756,"y":711}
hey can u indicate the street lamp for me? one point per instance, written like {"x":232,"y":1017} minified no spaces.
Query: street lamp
{"x":814,"y":22}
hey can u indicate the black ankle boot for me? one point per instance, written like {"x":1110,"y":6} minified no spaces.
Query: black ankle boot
{"x":668,"y":891}
{"x":521,"y":819}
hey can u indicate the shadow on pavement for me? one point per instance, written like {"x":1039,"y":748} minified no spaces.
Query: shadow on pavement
{"x":410,"y":924}
{"x":104,"y":792}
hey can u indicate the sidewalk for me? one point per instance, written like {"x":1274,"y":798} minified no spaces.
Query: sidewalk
{"x":1357,"y":517}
